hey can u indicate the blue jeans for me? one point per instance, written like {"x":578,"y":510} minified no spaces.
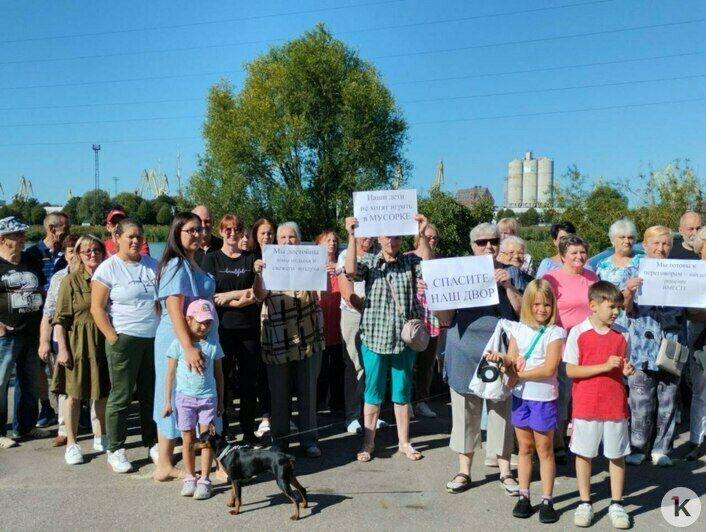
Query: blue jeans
{"x":19,"y":351}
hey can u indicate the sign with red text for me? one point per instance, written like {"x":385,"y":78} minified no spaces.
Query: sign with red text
{"x":461,"y":282}
{"x":294,"y":267}
{"x":385,"y":212}
{"x":672,"y":283}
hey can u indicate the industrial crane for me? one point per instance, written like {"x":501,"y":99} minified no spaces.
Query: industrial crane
{"x":155,"y":182}
{"x":436,"y":187}
{"x":25,"y":190}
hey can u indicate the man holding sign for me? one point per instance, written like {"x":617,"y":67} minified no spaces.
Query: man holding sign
{"x":388,"y":275}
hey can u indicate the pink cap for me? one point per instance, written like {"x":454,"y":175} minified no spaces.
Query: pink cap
{"x":112,"y":214}
{"x":201,"y":310}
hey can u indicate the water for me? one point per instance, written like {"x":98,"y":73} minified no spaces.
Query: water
{"x":156,"y":249}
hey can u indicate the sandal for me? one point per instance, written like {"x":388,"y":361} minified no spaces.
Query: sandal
{"x":511,"y":489}
{"x":410,"y":452}
{"x":458,"y":487}
{"x":366,"y":453}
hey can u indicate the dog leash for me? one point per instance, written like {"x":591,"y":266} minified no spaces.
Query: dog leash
{"x":342,"y":423}
{"x":229,"y":449}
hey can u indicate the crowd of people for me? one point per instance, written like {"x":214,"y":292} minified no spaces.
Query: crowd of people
{"x":99,"y":324}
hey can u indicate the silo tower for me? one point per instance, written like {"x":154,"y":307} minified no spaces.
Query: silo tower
{"x":514,"y":183}
{"x":545,"y":182}
{"x":529,"y":180}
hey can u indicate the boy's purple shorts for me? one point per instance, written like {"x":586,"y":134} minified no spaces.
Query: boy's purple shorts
{"x":541,"y":416}
{"x":191,"y":411}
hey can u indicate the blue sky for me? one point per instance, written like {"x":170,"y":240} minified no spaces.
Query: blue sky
{"x":133,"y":76}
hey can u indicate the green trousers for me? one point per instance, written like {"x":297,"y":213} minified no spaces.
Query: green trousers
{"x":131,"y":365}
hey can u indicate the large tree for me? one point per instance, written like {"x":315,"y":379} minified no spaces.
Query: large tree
{"x":312,"y":123}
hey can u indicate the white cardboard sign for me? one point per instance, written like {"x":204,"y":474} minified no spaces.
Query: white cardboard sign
{"x":294,"y":267}
{"x":461,"y":282}
{"x":672,"y":283}
{"x":385,"y":212}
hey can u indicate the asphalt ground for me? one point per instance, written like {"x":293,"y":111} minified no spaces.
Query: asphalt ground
{"x":38,"y":491}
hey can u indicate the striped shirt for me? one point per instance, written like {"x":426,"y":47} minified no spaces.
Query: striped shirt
{"x":381,"y":323}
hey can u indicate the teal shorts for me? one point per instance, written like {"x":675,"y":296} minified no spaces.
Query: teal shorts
{"x":376,"y":366}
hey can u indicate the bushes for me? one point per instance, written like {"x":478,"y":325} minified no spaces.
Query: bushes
{"x":153,"y":233}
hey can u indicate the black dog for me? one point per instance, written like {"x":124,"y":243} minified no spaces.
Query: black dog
{"x":242,"y":463}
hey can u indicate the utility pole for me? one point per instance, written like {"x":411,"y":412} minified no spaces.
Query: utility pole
{"x":96,"y":149}
{"x":178,"y":172}
{"x":115,"y":181}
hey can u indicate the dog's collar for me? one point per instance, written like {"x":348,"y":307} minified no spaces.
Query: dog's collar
{"x":229,"y":449}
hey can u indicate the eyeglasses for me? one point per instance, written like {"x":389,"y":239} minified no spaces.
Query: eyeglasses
{"x":435,"y":238}
{"x":233,"y":230}
{"x":193,"y":231}
{"x":89,"y":252}
{"x":482,"y":242}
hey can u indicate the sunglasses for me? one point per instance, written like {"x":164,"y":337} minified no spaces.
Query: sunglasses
{"x":482,"y":242}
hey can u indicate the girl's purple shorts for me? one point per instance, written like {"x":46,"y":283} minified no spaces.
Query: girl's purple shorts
{"x":541,"y":416}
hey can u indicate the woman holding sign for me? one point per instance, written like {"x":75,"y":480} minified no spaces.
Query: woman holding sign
{"x":292,"y":340}
{"x":469,"y":330}
{"x":382,"y":347}
{"x":653,"y":391}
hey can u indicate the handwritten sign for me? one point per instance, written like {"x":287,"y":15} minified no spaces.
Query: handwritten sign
{"x":672,"y":283}
{"x":385,"y":212}
{"x":462,"y":282}
{"x":294,"y":267}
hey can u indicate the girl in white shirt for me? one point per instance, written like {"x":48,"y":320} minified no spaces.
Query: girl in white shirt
{"x":532,"y":360}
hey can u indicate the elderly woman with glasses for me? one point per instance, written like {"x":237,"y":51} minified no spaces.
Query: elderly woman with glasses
{"x":512,"y":252}
{"x":469,"y":330}
{"x":239,"y":314}
{"x":510,"y":227}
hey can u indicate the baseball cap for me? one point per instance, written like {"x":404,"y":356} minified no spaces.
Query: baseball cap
{"x":112,"y":214}
{"x":201,"y":310}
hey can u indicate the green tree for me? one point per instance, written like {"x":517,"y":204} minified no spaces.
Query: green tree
{"x":37,"y":214}
{"x":312,"y":123}
{"x":164,"y":215}
{"x":128,"y":202}
{"x":529,"y":218}
{"x":145,"y":214}
{"x":453,"y":220}
{"x":505,"y":213}
{"x":93,"y":207}
{"x":71,"y":209}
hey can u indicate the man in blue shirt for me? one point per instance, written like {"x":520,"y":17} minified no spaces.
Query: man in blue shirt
{"x":48,"y":252}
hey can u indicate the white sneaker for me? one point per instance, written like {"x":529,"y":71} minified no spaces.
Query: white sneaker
{"x":583,"y":516}
{"x":423,"y":410}
{"x":154,"y":453}
{"x":73,"y":455}
{"x":635,"y":458}
{"x":382,"y":424}
{"x":661,"y":460}
{"x":354,"y":427}
{"x":6,"y":443}
{"x":263,"y":428}
{"x":618,"y":516}
{"x":118,"y":462}
{"x":100,"y":443}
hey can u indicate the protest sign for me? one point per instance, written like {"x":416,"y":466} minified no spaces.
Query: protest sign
{"x":672,"y":283}
{"x":385,"y":212}
{"x":294,"y":267}
{"x":461,"y":282}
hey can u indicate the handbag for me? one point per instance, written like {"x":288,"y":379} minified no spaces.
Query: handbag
{"x":414,"y":332}
{"x":672,"y":356}
{"x":487,"y":381}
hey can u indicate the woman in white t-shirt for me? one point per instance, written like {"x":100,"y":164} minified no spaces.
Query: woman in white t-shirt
{"x":122,"y":305}
{"x":532,"y":361}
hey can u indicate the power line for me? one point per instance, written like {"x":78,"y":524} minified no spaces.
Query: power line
{"x":554,"y":89}
{"x":429,"y":122}
{"x":421,"y":100}
{"x":203,"y":23}
{"x":266,"y":41}
{"x":115,"y":121}
{"x":109,"y":81}
{"x":560,"y":112}
{"x":549,"y":69}
{"x":101,"y":104}
{"x":540,"y":39}
{"x":409,"y":82}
